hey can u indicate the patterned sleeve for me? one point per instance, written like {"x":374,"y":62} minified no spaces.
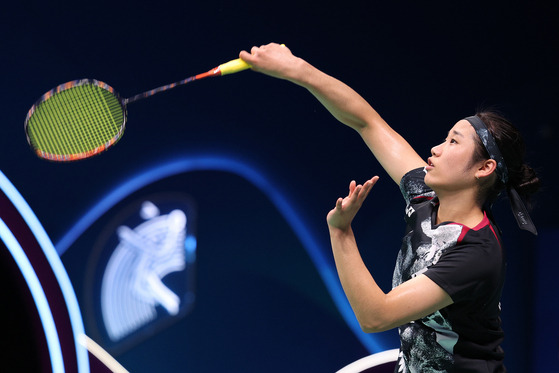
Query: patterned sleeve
{"x":413,"y":185}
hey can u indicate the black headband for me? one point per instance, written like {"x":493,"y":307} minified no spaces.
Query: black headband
{"x":518,"y":208}
{"x":490,"y":145}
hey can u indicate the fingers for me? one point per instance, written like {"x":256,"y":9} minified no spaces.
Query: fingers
{"x":370,"y":183}
{"x":339,"y":203}
{"x":245,"y":56}
{"x":361,"y":191}
{"x":250,"y":58}
{"x":343,"y":213}
{"x":352,"y":185}
{"x":256,"y":51}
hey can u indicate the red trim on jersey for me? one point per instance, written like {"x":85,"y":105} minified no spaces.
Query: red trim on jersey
{"x":483,"y":223}
{"x":423,"y":198}
{"x":462,"y":234}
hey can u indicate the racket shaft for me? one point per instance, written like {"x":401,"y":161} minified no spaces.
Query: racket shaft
{"x":231,"y":67}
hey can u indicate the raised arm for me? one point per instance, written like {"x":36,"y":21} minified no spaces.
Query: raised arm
{"x":375,"y":310}
{"x":392,"y":151}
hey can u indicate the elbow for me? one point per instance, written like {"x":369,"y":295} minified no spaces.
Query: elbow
{"x":368,"y":328}
{"x":360,"y":127}
{"x":374,"y":325}
{"x":376,"y":318}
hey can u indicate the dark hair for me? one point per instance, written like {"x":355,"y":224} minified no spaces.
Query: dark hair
{"x":522,"y":177}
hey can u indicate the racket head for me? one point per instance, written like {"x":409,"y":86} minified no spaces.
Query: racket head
{"x":75,"y":120}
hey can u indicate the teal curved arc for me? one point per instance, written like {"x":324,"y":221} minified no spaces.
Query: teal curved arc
{"x":259,"y":179}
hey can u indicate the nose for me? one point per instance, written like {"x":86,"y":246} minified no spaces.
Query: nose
{"x":436,"y":150}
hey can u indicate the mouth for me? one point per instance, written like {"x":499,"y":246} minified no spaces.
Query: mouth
{"x":430,"y":163}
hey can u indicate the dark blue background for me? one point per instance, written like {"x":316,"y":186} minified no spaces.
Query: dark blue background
{"x":422,"y":66}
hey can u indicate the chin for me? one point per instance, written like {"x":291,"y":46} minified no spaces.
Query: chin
{"x":429,"y":181}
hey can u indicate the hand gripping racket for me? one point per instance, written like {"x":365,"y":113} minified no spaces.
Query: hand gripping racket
{"x":82,"y":118}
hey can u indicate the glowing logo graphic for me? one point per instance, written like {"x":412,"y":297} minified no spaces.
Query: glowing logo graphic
{"x":133,"y":291}
{"x":88,"y":229}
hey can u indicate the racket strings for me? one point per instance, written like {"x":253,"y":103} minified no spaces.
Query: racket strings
{"x":76,"y":121}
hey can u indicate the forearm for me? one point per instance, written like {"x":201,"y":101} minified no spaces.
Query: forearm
{"x":366,"y":298}
{"x":339,"y":99}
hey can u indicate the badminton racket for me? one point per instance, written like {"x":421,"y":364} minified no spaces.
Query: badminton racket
{"x":82,"y":118}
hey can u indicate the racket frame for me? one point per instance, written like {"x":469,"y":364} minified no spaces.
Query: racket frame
{"x":76,"y":156}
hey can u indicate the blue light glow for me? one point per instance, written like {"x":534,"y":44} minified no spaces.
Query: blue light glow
{"x":216,"y":163}
{"x":57,"y":267}
{"x":190,"y":244}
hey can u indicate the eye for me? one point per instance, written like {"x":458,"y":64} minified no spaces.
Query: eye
{"x":453,"y":141}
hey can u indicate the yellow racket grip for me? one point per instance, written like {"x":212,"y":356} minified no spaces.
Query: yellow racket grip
{"x":233,"y":66}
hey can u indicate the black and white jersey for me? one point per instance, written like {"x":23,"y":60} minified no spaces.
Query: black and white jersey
{"x":467,"y":263}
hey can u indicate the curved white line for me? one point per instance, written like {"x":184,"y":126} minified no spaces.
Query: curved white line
{"x":56,"y":265}
{"x":39,"y":297}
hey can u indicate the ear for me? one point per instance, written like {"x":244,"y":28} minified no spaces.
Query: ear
{"x":487,"y":168}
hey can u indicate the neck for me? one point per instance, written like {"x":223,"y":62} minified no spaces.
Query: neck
{"x":461,"y":208}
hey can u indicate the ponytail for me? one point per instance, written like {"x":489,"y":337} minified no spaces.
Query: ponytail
{"x":498,"y":139}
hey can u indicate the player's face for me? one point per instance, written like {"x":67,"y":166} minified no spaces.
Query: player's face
{"x":450,"y":167}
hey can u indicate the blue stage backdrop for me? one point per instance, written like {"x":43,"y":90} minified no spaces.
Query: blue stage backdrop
{"x":252,"y":288}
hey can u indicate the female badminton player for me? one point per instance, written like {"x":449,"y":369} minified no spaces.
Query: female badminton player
{"x":450,"y":270}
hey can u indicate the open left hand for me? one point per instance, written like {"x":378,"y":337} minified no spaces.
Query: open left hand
{"x":341,"y":216}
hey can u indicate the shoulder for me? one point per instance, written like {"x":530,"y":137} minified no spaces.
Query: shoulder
{"x":475,"y":264}
{"x":412,"y":186}
{"x":480,"y":246}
